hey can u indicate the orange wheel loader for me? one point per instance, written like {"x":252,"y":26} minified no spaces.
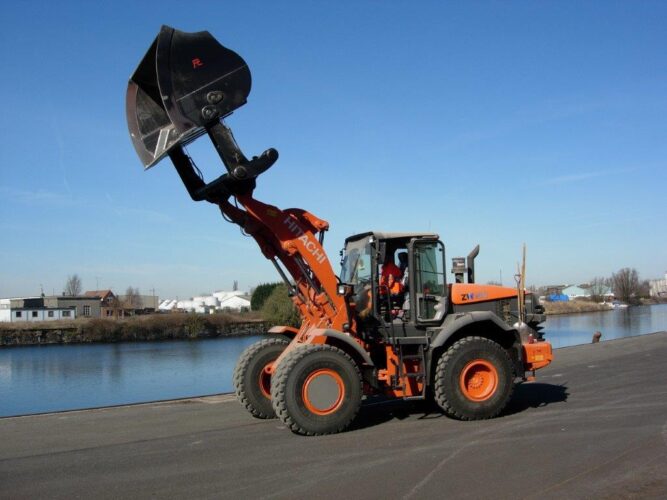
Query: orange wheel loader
{"x":458,"y":343}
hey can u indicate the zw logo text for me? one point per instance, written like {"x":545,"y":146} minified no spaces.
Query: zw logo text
{"x":473,"y":296}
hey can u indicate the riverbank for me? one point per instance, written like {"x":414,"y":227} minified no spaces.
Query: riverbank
{"x":574,"y":307}
{"x":138,"y":328}
{"x":584,"y":306}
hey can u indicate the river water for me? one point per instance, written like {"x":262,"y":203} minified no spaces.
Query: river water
{"x":575,"y":329}
{"x":40,"y":379}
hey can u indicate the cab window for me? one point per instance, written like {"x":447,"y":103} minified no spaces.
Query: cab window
{"x":430,"y":285}
{"x":357,"y":270}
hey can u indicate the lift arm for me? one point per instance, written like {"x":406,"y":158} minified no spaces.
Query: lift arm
{"x":291,"y":239}
{"x":182,"y":89}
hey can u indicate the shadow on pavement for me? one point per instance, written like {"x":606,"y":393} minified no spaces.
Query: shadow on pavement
{"x":378,"y":410}
{"x":535,"y":395}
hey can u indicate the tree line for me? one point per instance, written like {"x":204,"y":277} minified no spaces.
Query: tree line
{"x":624,"y":284}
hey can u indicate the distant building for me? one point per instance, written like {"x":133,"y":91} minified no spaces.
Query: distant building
{"x":564,"y":293}
{"x":106,"y":297}
{"x":207,"y":304}
{"x":168,"y":305}
{"x":86,"y":307}
{"x":658,"y":288}
{"x":145,"y":303}
{"x":118,"y":306}
{"x":108,"y":303}
{"x":576,"y":292}
{"x":34,"y":309}
{"x":235,"y":303}
{"x":554,"y":293}
{"x":92,"y":304}
{"x":585,"y":291}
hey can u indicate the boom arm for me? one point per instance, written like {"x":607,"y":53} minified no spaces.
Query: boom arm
{"x":288,"y":238}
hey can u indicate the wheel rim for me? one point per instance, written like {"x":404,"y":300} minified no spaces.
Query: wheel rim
{"x":265,"y":381}
{"x":479,"y":380}
{"x":323,"y":392}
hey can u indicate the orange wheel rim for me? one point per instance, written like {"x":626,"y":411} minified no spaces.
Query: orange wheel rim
{"x":479,"y":380}
{"x":265,"y":381}
{"x":323,"y":392}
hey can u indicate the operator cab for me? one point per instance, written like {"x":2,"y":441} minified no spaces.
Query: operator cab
{"x":390,"y":294}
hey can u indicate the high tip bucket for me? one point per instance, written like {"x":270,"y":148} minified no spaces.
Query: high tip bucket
{"x":184,"y":83}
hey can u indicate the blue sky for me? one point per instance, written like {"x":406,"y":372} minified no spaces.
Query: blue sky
{"x":495,"y":123}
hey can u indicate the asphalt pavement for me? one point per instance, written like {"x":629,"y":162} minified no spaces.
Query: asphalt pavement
{"x":594,"y":425}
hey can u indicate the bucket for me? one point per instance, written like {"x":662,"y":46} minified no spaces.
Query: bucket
{"x":184,"y":84}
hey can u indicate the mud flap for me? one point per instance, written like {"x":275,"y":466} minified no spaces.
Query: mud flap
{"x":537,"y":355}
{"x":185,"y":83}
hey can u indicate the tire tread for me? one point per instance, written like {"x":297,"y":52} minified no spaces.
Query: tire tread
{"x":279,"y":380}
{"x":242,"y":365}
{"x":440,"y":389}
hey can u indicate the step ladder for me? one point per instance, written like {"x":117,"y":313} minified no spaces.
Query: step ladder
{"x":403,"y":344}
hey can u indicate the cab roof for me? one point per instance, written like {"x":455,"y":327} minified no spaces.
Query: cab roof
{"x":383,"y":236}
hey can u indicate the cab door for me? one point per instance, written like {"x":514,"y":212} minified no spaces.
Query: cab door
{"x":428,"y":286}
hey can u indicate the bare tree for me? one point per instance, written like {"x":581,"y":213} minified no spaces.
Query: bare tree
{"x":626,"y":284}
{"x":599,"y":288}
{"x":132,"y":298}
{"x":72,"y":286}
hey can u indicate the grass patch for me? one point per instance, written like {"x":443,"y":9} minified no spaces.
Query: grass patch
{"x":573,"y":307}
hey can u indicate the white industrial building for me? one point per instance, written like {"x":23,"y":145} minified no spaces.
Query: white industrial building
{"x":235,"y":303}
{"x":32,"y":309}
{"x":167,"y":305}
{"x":659,"y":287}
{"x":208,"y":304}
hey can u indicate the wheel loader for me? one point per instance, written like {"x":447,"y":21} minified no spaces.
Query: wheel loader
{"x":460,"y":344}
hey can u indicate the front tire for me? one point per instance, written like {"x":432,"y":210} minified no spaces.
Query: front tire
{"x":252,"y":383}
{"x":474,"y":379}
{"x":317,"y":390}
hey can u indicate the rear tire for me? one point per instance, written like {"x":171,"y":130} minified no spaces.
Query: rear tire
{"x":316,"y":390}
{"x":251,"y":383}
{"x":474,"y":379}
